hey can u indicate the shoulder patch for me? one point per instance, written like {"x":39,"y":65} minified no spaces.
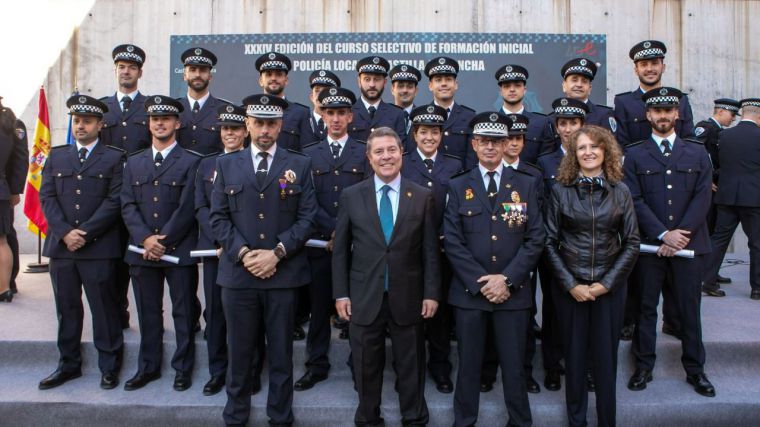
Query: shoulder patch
{"x":452,"y":156}
{"x":137,"y":152}
{"x":694,"y":141}
{"x":297,"y":152}
{"x":635,"y":143}
{"x":310,"y":144}
{"x":623,"y":93}
{"x":532,"y":165}
{"x":613,"y":123}
{"x":123,"y":151}
{"x":20,"y":132}
{"x":194,"y":153}
{"x":699,"y":130}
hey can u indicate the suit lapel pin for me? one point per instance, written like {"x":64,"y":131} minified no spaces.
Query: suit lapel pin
{"x":468,"y":194}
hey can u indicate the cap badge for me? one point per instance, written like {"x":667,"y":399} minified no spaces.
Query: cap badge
{"x":508,"y":69}
{"x":441,"y":61}
{"x":563,"y":102}
{"x":333,"y":91}
{"x":322,"y":73}
{"x":82,"y":99}
{"x":584,"y":62}
{"x":376,"y":60}
{"x":663,"y":91}
{"x":264,"y":100}
{"x":493,"y":117}
{"x":647,"y":45}
{"x":230,"y":108}
{"x":430,"y":109}
{"x":157,"y":100}
{"x":403,"y":68}
{"x":130,"y":48}
{"x":272,"y":56}
{"x":198,"y":51}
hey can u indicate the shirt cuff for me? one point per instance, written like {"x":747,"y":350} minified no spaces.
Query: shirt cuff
{"x":662,"y":235}
{"x":341,"y":299}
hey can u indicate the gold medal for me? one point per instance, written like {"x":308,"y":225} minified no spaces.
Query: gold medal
{"x":515,"y":197}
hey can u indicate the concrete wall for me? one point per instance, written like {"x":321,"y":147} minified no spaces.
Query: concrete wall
{"x":713,"y":50}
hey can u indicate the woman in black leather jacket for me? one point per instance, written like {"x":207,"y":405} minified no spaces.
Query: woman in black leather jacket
{"x":592,"y":245}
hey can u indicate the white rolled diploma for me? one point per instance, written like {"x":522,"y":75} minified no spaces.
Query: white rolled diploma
{"x":167,"y":258}
{"x":314,"y":243}
{"x":203,"y":253}
{"x":652,"y":249}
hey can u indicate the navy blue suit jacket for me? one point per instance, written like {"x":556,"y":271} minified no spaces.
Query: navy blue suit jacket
{"x":204,"y":185}
{"x":387,"y":115}
{"x":296,"y":129}
{"x":128,"y":131}
{"x":457,"y":135}
{"x":739,"y":152}
{"x":540,"y":135}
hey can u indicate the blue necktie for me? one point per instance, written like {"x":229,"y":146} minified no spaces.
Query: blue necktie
{"x":386,"y":221}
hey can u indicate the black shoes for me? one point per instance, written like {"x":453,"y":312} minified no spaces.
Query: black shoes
{"x":140,"y":380}
{"x":486,"y":386}
{"x":701,"y":384}
{"x":308,"y":380}
{"x":7,"y":296}
{"x":668,"y":329}
{"x":182,"y":381}
{"x":626,"y":334}
{"x":109,"y":380}
{"x":712,"y":290}
{"x":639,"y":379}
{"x":755,"y":294}
{"x":531,"y":385}
{"x":298,"y":333}
{"x":255,"y":385}
{"x":443,"y":384}
{"x":57,"y":378}
{"x":590,"y":383}
{"x":552,"y":380}
{"x":723,"y":280}
{"x":214,"y":385}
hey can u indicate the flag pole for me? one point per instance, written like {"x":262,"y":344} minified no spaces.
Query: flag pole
{"x":32,"y":207}
{"x":39,"y":266}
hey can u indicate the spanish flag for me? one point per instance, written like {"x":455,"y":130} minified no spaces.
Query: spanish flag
{"x":40,"y":151}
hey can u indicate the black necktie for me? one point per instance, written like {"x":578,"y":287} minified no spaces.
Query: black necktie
{"x":666,"y":151}
{"x":492,"y":191}
{"x":429,"y":164}
{"x":448,"y":113}
{"x":371,"y":110}
{"x":335,"y":149}
{"x":261,"y":171}
{"x":127,"y":101}
{"x":159,"y":159}
{"x":321,"y":125}
{"x":196,"y":107}
{"x":82,"y":155}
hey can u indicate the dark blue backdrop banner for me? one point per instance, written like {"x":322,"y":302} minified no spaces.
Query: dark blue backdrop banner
{"x":479,"y":56}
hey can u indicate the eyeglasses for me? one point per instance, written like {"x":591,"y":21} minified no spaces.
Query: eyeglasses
{"x":485,"y":142}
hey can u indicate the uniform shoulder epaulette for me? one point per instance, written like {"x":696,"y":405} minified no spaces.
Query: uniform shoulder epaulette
{"x":231,"y":152}
{"x":55,"y":147}
{"x":694,"y":141}
{"x":194,"y":153}
{"x":464,"y":172}
{"x":603,"y":106}
{"x":297,"y":103}
{"x":137,"y":152}
{"x":466,"y":108}
{"x":214,"y":154}
{"x":452,"y":156}
{"x":387,"y":103}
{"x":523,"y":172}
{"x":290,"y":150}
{"x":226,"y":101}
{"x":532,"y":165}
{"x":546,"y":153}
{"x":310,"y":144}
{"x":359,"y":141}
{"x":406,"y":153}
{"x":539,"y":113}
{"x":105,"y":98}
{"x":623,"y":93}
{"x":635,"y":143}
{"x":123,"y":151}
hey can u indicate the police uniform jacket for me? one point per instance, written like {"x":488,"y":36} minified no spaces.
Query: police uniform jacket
{"x":671,"y":192}
{"x":318,"y":132}
{"x":457,"y":134}
{"x":161,"y":201}
{"x":199,"y":131}
{"x":549,"y":164}
{"x":83,"y":196}
{"x":14,"y":161}
{"x":540,"y":135}
{"x":538,"y":174}
{"x":444,"y":167}
{"x":633,"y":126}
{"x":739,"y":185}
{"x":128,"y":131}
{"x":204,"y":185}
{"x":387,"y":115}
{"x":479,"y":240}
{"x":296,"y":129}
{"x":331,"y":176}
{"x":708,"y":133}
{"x":245,"y":214}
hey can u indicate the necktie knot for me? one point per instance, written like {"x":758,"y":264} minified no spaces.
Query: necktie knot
{"x":371,"y":111}
{"x":429,"y":163}
{"x":335,"y":147}
{"x":158,"y":159}
{"x":196,"y":107}
{"x":82,"y":155}
{"x":126,"y":102}
{"x":666,"y":147}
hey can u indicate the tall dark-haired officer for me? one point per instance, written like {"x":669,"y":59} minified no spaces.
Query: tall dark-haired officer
{"x":429,"y":167}
{"x":80,"y":199}
{"x":670,"y":182}
{"x":494,"y":235}
{"x":404,"y":82}
{"x":198,"y":129}
{"x":157,"y":207}
{"x":372,"y":112}
{"x":513,"y":85}
{"x":577,"y":77}
{"x":319,"y":80}
{"x":442,"y":75}
{"x":296,"y":129}
{"x":262,"y":262}
{"x":125,"y":126}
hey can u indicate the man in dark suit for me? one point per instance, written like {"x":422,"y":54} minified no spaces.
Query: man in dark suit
{"x":319,"y":80}
{"x":372,"y":112}
{"x":577,"y":77}
{"x":431,"y":168}
{"x":404,"y":87}
{"x":125,"y":126}
{"x":198,"y":129}
{"x":80,"y":199}
{"x":337,"y":162}
{"x":670,"y":180}
{"x":386,"y":277}
{"x":494,"y":235}
{"x":157,"y":207}
{"x":738,"y":195}
{"x":262,"y":213}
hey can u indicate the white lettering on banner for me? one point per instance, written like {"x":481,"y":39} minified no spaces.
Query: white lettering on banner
{"x":351,"y":48}
{"x":311,"y":65}
{"x":524,"y":48}
{"x":453,"y":48}
{"x":396,"y":48}
{"x":257,"y":48}
{"x":344,"y":65}
{"x":471,"y":65}
{"x":293,"y":48}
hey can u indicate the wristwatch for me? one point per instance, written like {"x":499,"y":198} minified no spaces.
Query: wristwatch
{"x":279,"y":251}
{"x":509,"y":284}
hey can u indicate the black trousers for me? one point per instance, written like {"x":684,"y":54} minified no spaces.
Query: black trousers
{"x":148,"y":286}
{"x":510,"y":329}
{"x":633,"y":301}
{"x":687,"y":292}
{"x":216,"y":326}
{"x":438,"y":329}
{"x":322,"y":306}
{"x":728,"y":219}
{"x":68,"y":277}
{"x":591,"y":332}
{"x":12,"y":240}
{"x":122,"y":278}
{"x":248,"y":312}
{"x":368,"y":353}
{"x":551,"y":338}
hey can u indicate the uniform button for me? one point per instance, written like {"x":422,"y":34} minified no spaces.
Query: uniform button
{"x":670,"y":217}
{"x":336,"y":204}
{"x":194,"y":141}
{"x":155,"y":199}
{"x":123,"y":123}
{"x":155,"y":230}
{"x":337,"y":172}
{"x":372,"y":129}
{"x":262,"y":236}
{"x":668,"y":171}
{"x":155,"y":215}
{"x":446,"y":133}
{"x":670,"y":186}
{"x":353,"y":170}
{"x":493,"y":258}
{"x":174,"y":182}
{"x":494,"y":237}
{"x":155,"y":182}
{"x":76,"y":207}
{"x":193,"y":127}
{"x":469,"y":213}
{"x":59,"y":174}
{"x":79,"y":177}
{"x":336,"y":188}
{"x":79,"y":191}
{"x":76,"y":221}
{"x":493,"y":217}
{"x":124,"y":138}
{"x":670,"y":202}
{"x":261,"y":216}
{"x":261,"y":195}
{"x":430,"y":183}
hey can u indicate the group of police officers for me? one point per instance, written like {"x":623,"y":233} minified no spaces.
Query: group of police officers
{"x":167,"y":176}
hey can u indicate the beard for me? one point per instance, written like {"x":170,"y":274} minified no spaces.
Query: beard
{"x":198,"y":85}
{"x":372,"y":98}
{"x":664,"y":126}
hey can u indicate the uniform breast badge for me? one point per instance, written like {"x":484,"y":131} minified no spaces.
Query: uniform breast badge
{"x":515,"y":213}
{"x":468,"y":194}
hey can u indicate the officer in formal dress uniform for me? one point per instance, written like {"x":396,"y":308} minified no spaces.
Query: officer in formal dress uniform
{"x":494,"y":235}
{"x":738,"y":196}
{"x":577,"y":77}
{"x":80,"y":199}
{"x":157,"y":206}
{"x":296,"y":129}
{"x":372,"y":112}
{"x":125,"y":126}
{"x":337,"y":162}
{"x":404,"y":82}
{"x":670,"y":180}
{"x":198,"y":129}
{"x":513,"y":85}
{"x":429,"y":167}
{"x":318,"y":81}
{"x":569,"y":115}
{"x":442,"y":75}
{"x":262,"y":262}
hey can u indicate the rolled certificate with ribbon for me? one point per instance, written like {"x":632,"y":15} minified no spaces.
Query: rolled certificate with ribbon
{"x":203,"y":253}
{"x":167,"y":258}
{"x":314,"y":243}
{"x":652,"y":249}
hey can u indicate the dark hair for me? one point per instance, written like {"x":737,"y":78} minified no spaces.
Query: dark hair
{"x":383,"y":131}
{"x":7,"y":118}
{"x":612,"y":166}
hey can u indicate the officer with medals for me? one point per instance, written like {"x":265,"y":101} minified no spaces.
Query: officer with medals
{"x":262,"y":213}
{"x":296,"y":129}
{"x":577,"y":76}
{"x":442,"y":75}
{"x":494,"y":234}
{"x":569,"y":116}
{"x":427,"y":166}
{"x":513,"y":85}
{"x":630,"y":112}
{"x":158,"y":208}
{"x":198,"y":129}
{"x":670,"y":181}
{"x":80,"y":199}
{"x":319,"y":80}
{"x":372,"y":112}
{"x":404,"y":82}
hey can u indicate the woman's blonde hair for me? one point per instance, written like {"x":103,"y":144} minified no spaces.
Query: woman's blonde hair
{"x":612,"y":166}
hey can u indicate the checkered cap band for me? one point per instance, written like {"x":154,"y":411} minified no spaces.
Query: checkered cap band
{"x":490,"y":129}
{"x":372,"y":68}
{"x":273,"y":65}
{"x":567,"y":110}
{"x":162,"y":108}
{"x":404,"y":76}
{"x":518,"y":126}
{"x":85,"y":109}
{"x":323,"y":80}
{"x":264,"y":111}
{"x":197,"y":59}
{"x":648,"y":53}
{"x":659,"y":100}
{"x":577,"y":69}
{"x":512,"y":76}
{"x":751,"y":103}
{"x":727,"y":107}
{"x":227,"y":117}
{"x":429,"y":118}
{"x":442,"y":69}
{"x":336,"y":99}
{"x":128,"y":56}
